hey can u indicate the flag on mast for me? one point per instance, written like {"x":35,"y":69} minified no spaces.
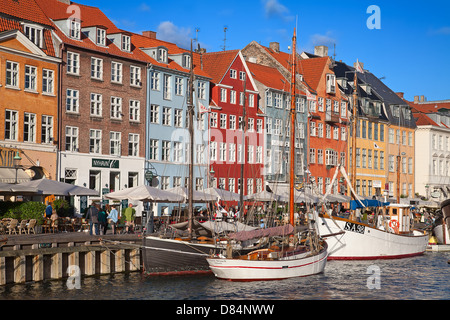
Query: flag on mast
{"x":359,"y":67}
{"x":202,"y":108}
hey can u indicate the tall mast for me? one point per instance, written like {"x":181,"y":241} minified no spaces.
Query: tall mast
{"x":292,"y":136}
{"x":191,"y":146}
{"x":244,"y":129}
{"x":354,"y":128}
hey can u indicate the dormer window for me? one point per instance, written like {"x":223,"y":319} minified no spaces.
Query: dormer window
{"x":75,"y":29}
{"x":101,"y":37}
{"x":162,"y":55}
{"x":186,"y":61}
{"x":126,"y":43}
{"x":35,"y":34}
{"x":331,"y":83}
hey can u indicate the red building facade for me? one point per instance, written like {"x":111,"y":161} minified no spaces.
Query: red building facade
{"x":328,"y":122}
{"x":234,"y":113}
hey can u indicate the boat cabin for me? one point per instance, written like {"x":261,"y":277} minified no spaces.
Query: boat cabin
{"x":400,"y":219}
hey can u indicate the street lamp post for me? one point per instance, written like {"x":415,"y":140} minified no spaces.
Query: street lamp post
{"x":16,"y":163}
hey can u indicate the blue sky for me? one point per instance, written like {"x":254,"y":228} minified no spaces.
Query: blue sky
{"x":411,"y":50}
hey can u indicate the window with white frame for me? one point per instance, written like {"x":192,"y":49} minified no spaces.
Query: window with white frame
{"x":213,"y":119}
{"x":259,"y":153}
{"x":320,"y":104}
{"x":232,"y":184}
{"x":343,"y":109}
{"x":186,"y":61}
{"x":11,"y":124}
{"x":223,"y":120}
{"x":115,"y":144}
{"x":126,"y":43}
{"x":232,"y":122}
{"x":101,"y":37}
{"x":156,"y":81}
{"x":72,"y":100}
{"x":167,"y":116}
{"x":331,"y":83}
{"x":250,"y":186}
{"x":198,"y":184}
{"x":95,"y":141}
{"x":153,"y":154}
{"x":29,"y":127}
{"x":154,"y":114}
{"x":223,"y":95}
{"x":241,"y":75}
{"x":96,"y":104}
{"x":278,"y":127}
{"x":177,"y":151}
{"x":165,"y":182}
{"x":73,"y":63}
{"x":116,"y":72}
{"x":135,"y":76}
{"x":167,"y":87}
{"x":250,"y":154}
{"x":232,"y":96}
{"x":233,"y":74}
{"x":75,"y":29}
{"x":48,"y":81}
{"x":213,"y":151}
{"x":259,"y":126}
{"x":12,"y":74}
{"x":31,"y":78}
{"x":312,"y":129}
{"x":231,"y":152}
{"x":166,"y":147}
{"x":251,"y":124}
{"x":135,"y":111}
{"x":179,"y":90}
{"x":71,"y":139}
{"x":320,"y":130}
{"x":47,"y":129}
{"x":178,"y":118}
{"x":133,"y":144}
{"x":200,"y":153}
{"x":336,"y":133}
{"x":223,"y":151}
{"x":319,"y":156}
{"x":116,"y":108}
{"x":201,"y":90}
{"x":96,"y":68}
{"x":251,"y":100}
{"x":35,"y":34}
{"x":162,"y":55}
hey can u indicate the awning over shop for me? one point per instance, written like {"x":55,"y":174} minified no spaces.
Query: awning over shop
{"x":367,"y":203}
{"x":8,"y":175}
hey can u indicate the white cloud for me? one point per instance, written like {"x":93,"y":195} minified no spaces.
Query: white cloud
{"x":274,"y":9}
{"x":144,"y":7}
{"x":169,"y":32}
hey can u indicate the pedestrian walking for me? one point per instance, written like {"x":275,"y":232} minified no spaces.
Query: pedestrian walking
{"x":113,"y":218}
{"x":102,"y":221}
{"x":92,"y":217}
{"x":129,"y":218}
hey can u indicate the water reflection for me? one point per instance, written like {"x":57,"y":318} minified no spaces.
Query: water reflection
{"x":424,"y":277}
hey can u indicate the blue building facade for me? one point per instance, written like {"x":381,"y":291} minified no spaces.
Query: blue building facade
{"x":167,"y":142}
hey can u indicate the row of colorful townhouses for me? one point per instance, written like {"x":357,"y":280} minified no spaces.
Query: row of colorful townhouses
{"x":85,"y":102}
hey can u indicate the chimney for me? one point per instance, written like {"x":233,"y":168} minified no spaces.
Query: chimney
{"x":275,"y":46}
{"x":321,"y":51}
{"x":252,"y":59}
{"x":400,"y":94}
{"x":149,"y":34}
{"x":422,"y":99}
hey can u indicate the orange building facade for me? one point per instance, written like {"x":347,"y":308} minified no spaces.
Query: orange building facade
{"x":28,"y":100}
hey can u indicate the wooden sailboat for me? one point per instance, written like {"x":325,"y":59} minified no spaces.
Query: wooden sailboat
{"x":390,"y":237}
{"x":181,"y":255}
{"x":290,"y":255}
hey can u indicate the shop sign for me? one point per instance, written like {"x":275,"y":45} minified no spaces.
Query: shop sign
{"x":104,"y":163}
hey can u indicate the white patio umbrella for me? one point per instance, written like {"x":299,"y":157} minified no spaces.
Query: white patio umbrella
{"x":16,"y":189}
{"x":224,"y":195}
{"x":198,"y":196}
{"x":145,"y":193}
{"x":264,"y":196}
{"x":52,"y":187}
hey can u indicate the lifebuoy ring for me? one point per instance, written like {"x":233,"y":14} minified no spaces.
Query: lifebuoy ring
{"x":394,"y":225}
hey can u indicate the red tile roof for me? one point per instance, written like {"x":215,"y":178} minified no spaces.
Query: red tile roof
{"x":24,"y":9}
{"x":10,"y":24}
{"x":312,"y":70}
{"x":269,"y":76}
{"x":216,"y":64}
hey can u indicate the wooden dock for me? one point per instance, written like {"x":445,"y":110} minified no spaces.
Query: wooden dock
{"x":439,"y":248}
{"x":39,"y":257}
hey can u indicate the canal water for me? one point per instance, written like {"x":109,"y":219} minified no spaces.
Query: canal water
{"x":426,"y":277}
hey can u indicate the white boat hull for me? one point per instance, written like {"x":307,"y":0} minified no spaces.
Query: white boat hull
{"x":361,"y":242}
{"x":255,"y":270}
